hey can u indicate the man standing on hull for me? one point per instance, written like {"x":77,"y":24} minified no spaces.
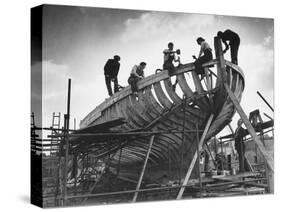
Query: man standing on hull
{"x":111,"y":70}
{"x":234,"y":42}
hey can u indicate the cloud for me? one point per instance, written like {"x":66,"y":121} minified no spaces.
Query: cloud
{"x":258,"y":64}
{"x":154,"y":25}
{"x":54,"y":79}
{"x":267,"y":40}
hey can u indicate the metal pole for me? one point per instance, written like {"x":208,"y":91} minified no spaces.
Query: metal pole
{"x":191,"y":166}
{"x":265,"y":101}
{"x":143,"y":169}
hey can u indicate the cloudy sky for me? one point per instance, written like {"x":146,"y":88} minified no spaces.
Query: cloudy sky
{"x":77,"y":41}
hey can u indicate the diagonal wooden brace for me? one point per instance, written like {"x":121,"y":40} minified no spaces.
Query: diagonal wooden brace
{"x":266,"y":155}
{"x":192,"y":164}
{"x":143,"y":169}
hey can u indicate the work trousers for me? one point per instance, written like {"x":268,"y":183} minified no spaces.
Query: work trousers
{"x":108,"y":84}
{"x":133,"y":82}
{"x":170,"y":67}
{"x":234,"y":46}
{"x":201,"y":60}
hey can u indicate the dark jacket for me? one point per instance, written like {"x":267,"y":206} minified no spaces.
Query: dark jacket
{"x":230,"y":36}
{"x":239,"y":137}
{"x":111,"y":68}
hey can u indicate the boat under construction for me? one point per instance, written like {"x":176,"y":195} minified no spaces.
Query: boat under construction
{"x":149,"y":146}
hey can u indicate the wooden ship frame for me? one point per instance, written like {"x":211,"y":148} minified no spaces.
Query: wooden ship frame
{"x":154,"y":135}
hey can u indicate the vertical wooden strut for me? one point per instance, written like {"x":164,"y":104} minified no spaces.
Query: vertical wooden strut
{"x":198,"y":159}
{"x":143,"y":169}
{"x":191,"y":166}
{"x":66,"y":137}
{"x":221,"y":67}
{"x":267,"y":157}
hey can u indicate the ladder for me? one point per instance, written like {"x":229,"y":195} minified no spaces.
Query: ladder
{"x":33,"y":134}
{"x":55,"y":126}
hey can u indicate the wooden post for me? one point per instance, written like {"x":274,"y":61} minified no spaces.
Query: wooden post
{"x":271,"y":108}
{"x":143,"y":169}
{"x":191,"y":166}
{"x":66,"y":117}
{"x":169,"y":160}
{"x":198,"y":159}
{"x":231,"y":143}
{"x":182,"y":139}
{"x":119,"y":160}
{"x":221,"y":67}
{"x":266,"y":155}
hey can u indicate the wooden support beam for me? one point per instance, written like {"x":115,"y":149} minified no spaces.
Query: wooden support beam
{"x":271,"y":108}
{"x":221,"y":66}
{"x":116,"y":134}
{"x":66,"y":137}
{"x":251,"y":130}
{"x":198,"y":160}
{"x":191,"y":166}
{"x":143,"y":169}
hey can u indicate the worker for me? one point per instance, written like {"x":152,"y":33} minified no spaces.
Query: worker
{"x":169,"y":58}
{"x":234,"y":42}
{"x":137,"y":74}
{"x":207,"y":56}
{"x":239,"y":135}
{"x":111,"y":70}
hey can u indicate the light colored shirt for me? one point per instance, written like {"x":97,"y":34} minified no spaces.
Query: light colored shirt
{"x":137,"y":71}
{"x":204,"y":46}
{"x":169,"y":54}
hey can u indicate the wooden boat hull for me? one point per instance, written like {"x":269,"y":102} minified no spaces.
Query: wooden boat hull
{"x":159,"y":108}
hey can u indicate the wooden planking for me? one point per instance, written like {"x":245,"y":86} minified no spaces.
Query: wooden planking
{"x":144,"y":104}
{"x":124,"y":114}
{"x":135,"y":118}
{"x":158,"y":148}
{"x":145,"y":109}
{"x":124,"y":108}
{"x":140,"y":146}
{"x":139,"y":110}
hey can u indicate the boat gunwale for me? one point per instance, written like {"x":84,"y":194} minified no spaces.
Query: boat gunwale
{"x":148,"y":81}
